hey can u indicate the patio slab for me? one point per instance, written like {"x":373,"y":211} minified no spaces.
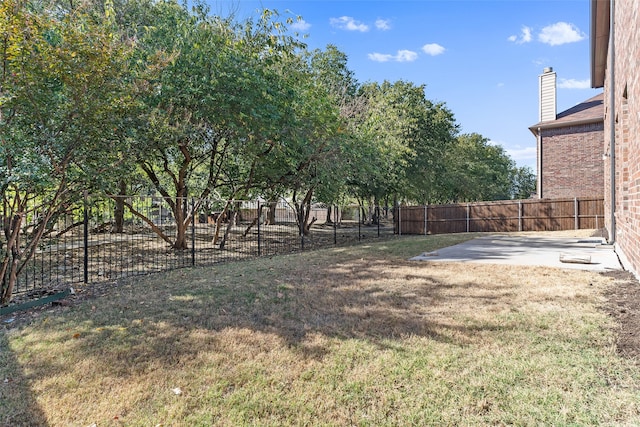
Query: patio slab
{"x":531,"y":251}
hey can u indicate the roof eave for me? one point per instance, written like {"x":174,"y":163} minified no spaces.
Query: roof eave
{"x":559,"y":124}
{"x":600,"y":10}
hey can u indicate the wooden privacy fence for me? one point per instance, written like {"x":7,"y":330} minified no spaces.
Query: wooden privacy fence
{"x":509,"y":215}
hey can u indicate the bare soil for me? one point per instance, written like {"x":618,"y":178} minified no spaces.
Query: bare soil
{"x":623,"y":304}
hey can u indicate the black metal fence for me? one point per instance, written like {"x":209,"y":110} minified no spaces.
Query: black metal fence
{"x":103,"y":239}
{"x":91,"y":243}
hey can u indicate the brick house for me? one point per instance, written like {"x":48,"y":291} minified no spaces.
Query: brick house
{"x":615,"y":61}
{"x":569,"y":145}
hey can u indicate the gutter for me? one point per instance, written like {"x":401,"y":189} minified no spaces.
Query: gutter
{"x":539,"y":177}
{"x":535,"y":129}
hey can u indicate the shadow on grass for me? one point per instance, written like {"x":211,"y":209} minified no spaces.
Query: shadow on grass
{"x":166,"y":319}
{"x":18,"y":405}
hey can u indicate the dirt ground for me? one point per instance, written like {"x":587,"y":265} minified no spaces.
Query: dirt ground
{"x":623,"y":304}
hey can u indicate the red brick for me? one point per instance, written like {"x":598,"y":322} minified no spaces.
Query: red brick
{"x":627,"y":133}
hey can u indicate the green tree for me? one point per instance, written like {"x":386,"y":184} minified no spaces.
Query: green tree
{"x":330,"y":70}
{"x":478,"y":170}
{"x":307,"y":153}
{"x":306,"y":160}
{"x":216,"y":107}
{"x":382,"y":163}
{"x":62,"y":81}
{"x":406,"y":138}
{"x":523,"y":182}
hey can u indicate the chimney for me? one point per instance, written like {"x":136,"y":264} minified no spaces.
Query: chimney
{"x":547,"y":95}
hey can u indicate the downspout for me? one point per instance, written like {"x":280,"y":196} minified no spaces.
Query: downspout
{"x":539,"y":163}
{"x":612,"y":121}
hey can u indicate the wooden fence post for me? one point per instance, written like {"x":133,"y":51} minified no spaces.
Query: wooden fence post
{"x":519,"y":215}
{"x":575,"y":212}
{"x":426,"y":224}
{"x":468,"y":213}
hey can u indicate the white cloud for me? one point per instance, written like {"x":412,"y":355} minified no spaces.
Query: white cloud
{"x":348,"y":23}
{"x":522,"y":154}
{"x":380,"y":57}
{"x":383,"y":24}
{"x":401,"y":56}
{"x":524,"y":37}
{"x":406,"y":56}
{"x":301,"y":25}
{"x":433,"y":49}
{"x":560,"y":33}
{"x":574,"y":84}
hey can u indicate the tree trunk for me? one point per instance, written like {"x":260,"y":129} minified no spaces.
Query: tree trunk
{"x":118,"y":212}
{"x":238,"y":217}
{"x":10,"y":263}
{"x":363,"y":214}
{"x":329,"y":221}
{"x":7,"y":291}
{"x":271,"y":216}
{"x":248,"y":229}
{"x":181,"y":226}
{"x":232,"y":220}
{"x":307,"y":228}
{"x":303,"y":212}
{"x":219,"y":220}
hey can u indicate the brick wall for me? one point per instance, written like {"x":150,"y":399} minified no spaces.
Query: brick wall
{"x":627,"y":132}
{"x":572,"y":163}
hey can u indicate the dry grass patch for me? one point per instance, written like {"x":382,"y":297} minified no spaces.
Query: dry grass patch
{"x":355,"y":336}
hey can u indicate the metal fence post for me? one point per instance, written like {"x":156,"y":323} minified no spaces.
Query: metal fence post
{"x":259,"y":221}
{"x":399,"y":221}
{"x":193,"y":233}
{"x":378,"y":218}
{"x":359,"y":220}
{"x":335,"y":225}
{"x":301,"y":229}
{"x":85,"y":221}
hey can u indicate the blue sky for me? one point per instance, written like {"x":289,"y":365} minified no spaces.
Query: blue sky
{"x":482,"y":58}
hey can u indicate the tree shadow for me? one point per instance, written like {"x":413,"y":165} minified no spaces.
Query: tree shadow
{"x":158,"y":322}
{"x":19,"y":406}
{"x":353,"y":301}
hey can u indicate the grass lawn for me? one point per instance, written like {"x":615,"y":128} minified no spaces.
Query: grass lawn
{"x":345,"y":336}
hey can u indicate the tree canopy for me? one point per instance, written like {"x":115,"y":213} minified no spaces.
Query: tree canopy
{"x":122,"y":96}
{"x":63,"y":91}
{"x":193,"y":104}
